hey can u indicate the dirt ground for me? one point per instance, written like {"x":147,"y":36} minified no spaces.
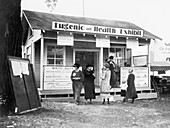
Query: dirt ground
{"x":153,"y":113}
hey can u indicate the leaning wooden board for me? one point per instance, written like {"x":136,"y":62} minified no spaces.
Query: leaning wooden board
{"x":23,"y":84}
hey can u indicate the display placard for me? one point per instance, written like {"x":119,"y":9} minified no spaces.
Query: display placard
{"x":57,"y":77}
{"x":141,"y":76}
{"x":65,"y":39}
{"x":102,"y":41}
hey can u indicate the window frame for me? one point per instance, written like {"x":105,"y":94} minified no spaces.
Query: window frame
{"x":63,"y":54}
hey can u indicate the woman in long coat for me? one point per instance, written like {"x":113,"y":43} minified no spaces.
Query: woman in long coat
{"x":89,"y":83}
{"x":131,"y":90}
{"x":77,"y":78}
{"x":113,"y":78}
{"x":105,"y":84}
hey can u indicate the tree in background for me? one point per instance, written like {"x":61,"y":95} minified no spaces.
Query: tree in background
{"x":10,"y":44}
{"x":51,"y":4}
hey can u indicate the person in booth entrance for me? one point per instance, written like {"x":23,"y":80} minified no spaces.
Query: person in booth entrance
{"x":113,"y":78}
{"x":131,"y":90}
{"x":89,"y":83}
{"x":77,"y":78}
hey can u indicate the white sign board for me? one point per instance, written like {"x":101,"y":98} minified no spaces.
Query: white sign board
{"x":132,"y":43}
{"x":102,"y":41}
{"x":57,"y":77}
{"x":65,"y":39}
{"x":141,"y":76}
{"x":96,"y":29}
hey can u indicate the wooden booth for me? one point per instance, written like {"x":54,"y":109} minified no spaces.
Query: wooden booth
{"x":53,"y":43}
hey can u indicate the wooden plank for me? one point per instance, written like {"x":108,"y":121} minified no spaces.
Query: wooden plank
{"x":31,"y":89}
{"x":23,"y":84}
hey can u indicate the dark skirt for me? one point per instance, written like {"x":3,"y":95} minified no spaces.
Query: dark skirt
{"x":89,"y":89}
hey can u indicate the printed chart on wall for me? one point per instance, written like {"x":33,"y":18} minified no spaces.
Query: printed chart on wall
{"x":57,"y":77}
{"x":141,"y":76}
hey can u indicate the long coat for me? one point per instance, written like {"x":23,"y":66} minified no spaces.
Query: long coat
{"x":77,"y":84}
{"x":113,"y":77}
{"x":89,"y":84}
{"x":105,"y":84}
{"x":131,"y":90}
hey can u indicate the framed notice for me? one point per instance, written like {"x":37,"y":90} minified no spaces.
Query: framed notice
{"x":65,"y":39}
{"x":102,"y":41}
{"x":57,"y":77}
{"x":141,"y":76}
{"x":140,"y":60}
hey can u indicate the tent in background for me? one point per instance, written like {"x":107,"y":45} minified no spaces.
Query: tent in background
{"x":159,"y":56}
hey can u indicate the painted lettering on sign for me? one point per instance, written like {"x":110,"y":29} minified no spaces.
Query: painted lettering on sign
{"x":95,"y":29}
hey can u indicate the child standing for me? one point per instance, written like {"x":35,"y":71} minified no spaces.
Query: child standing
{"x":105,"y":84}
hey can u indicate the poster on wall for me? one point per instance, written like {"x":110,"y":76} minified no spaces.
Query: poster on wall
{"x":132,"y":43}
{"x":57,"y":77}
{"x":141,"y":76}
{"x":102,"y":41}
{"x":65,"y":39}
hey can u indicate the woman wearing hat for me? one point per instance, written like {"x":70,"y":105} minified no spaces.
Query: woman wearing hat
{"x":77,"y":78}
{"x":105,"y":84}
{"x":113,"y":77}
{"x":131,"y":90}
{"x":89,"y":83}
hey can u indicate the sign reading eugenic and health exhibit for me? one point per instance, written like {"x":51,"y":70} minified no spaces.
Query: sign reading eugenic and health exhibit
{"x":141,"y":76}
{"x":96,"y":29}
{"x":57,"y":77}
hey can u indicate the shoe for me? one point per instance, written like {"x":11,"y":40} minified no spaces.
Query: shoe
{"x":124,"y":100}
{"x":90,"y":101}
{"x":77,"y":103}
{"x":108,"y":101}
{"x":103,"y":101}
{"x":132,"y":101}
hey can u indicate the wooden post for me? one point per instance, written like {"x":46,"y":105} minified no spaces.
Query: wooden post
{"x":42,"y":64}
{"x":149,"y":66}
{"x":33,"y":54}
{"x":101,"y":63}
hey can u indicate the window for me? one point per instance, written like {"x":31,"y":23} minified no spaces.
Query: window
{"x":55,"y":55}
{"x":119,"y":55}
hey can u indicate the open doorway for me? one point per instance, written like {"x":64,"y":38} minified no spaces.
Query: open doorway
{"x":85,"y":57}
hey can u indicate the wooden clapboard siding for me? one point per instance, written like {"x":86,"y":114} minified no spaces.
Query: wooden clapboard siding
{"x":69,"y":56}
{"x":37,"y":63}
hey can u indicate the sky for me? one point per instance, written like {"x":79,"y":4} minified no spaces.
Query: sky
{"x":151,"y":15}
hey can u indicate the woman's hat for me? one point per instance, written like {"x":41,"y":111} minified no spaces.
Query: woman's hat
{"x":76,"y":65}
{"x":107,"y":65}
{"x":111,"y":57}
{"x":89,"y":65}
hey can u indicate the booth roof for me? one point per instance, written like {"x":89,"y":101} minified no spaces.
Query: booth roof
{"x":160,"y":66}
{"x":43,"y":21}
